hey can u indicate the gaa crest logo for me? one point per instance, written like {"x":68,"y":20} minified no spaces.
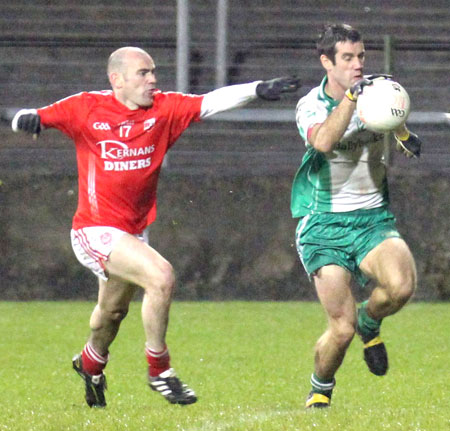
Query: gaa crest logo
{"x":101,"y":126}
{"x":106,"y":238}
{"x":148,"y":124}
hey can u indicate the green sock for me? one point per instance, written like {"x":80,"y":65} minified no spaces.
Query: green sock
{"x":366,"y":324}
{"x":321,"y":386}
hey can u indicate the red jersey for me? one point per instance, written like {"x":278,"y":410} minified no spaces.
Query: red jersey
{"x":120,"y":152}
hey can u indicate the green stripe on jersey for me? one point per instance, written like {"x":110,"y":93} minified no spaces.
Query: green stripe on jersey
{"x":351,"y":177}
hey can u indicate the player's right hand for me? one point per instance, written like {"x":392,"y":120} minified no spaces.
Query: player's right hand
{"x":357,"y":88}
{"x":27,"y":120}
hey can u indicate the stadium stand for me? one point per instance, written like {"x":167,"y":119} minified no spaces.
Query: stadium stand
{"x":50,"y":50}
{"x":224,"y":219}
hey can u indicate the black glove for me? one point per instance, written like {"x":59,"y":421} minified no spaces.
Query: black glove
{"x":409,"y":145}
{"x":30,"y":123}
{"x":272,"y":89}
{"x":357,"y":88}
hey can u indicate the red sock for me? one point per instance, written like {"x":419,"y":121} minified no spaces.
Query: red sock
{"x":158,"y":362}
{"x":93,"y":363}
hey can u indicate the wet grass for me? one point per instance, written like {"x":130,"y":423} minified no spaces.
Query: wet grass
{"x":249,"y":363}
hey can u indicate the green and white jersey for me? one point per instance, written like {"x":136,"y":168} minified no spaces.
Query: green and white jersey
{"x":351,"y":177}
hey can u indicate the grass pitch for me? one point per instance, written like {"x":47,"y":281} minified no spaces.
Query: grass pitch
{"x":249,"y":363}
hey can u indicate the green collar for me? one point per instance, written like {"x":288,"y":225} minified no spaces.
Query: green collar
{"x":324,"y":96}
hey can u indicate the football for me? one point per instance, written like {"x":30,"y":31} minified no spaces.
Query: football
{"x":383,"y":106}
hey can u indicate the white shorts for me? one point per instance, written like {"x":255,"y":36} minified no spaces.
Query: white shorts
{"x":93,"y":245}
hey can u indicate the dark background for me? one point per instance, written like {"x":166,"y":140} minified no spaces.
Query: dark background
{"x":224,"y":220}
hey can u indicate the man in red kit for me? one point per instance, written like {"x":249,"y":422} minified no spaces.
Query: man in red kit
{"x":121,"y":137}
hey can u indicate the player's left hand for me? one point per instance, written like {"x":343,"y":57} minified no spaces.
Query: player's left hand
{"x":272,"y":89}
{"x":30,"y":123}
{"x":409,"y":145}
{"x":27,"y":120}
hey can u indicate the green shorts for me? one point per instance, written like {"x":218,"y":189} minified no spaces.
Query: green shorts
{"x":343,"y":239}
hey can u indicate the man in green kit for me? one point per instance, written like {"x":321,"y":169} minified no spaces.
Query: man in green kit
{"x":345,"y":229}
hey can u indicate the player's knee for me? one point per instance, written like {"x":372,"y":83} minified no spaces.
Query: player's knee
{"x":401,"y":288}
{"x":117,"y":314}
{"x":163,"y":281}
{"x":113,"y":314}
{"x":167,"y":277}
{"x":343,"y":333}
{"x":402,"y":294}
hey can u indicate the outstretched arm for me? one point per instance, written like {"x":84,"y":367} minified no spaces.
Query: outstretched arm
{"x":235,"y":96}
{"x":223,"y":99}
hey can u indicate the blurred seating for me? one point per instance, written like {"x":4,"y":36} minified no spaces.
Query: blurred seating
{"x":52,"y":50}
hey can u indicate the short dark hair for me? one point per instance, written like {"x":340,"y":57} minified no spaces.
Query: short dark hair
{"x":332,"y":34}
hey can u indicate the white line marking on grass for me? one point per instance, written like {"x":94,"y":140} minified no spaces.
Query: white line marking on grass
{"x":247,"y":418}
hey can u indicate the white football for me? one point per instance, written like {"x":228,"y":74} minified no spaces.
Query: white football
{"x":383,"y":106}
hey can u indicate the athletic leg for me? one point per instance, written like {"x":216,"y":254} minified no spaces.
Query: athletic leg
{"x":332,"y":284}
{"x":114,"y":299}
{"x":333,"y":289}
{"x":113,"y":302}
{"x":135,"y":261}
{"x":392,"y":266}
